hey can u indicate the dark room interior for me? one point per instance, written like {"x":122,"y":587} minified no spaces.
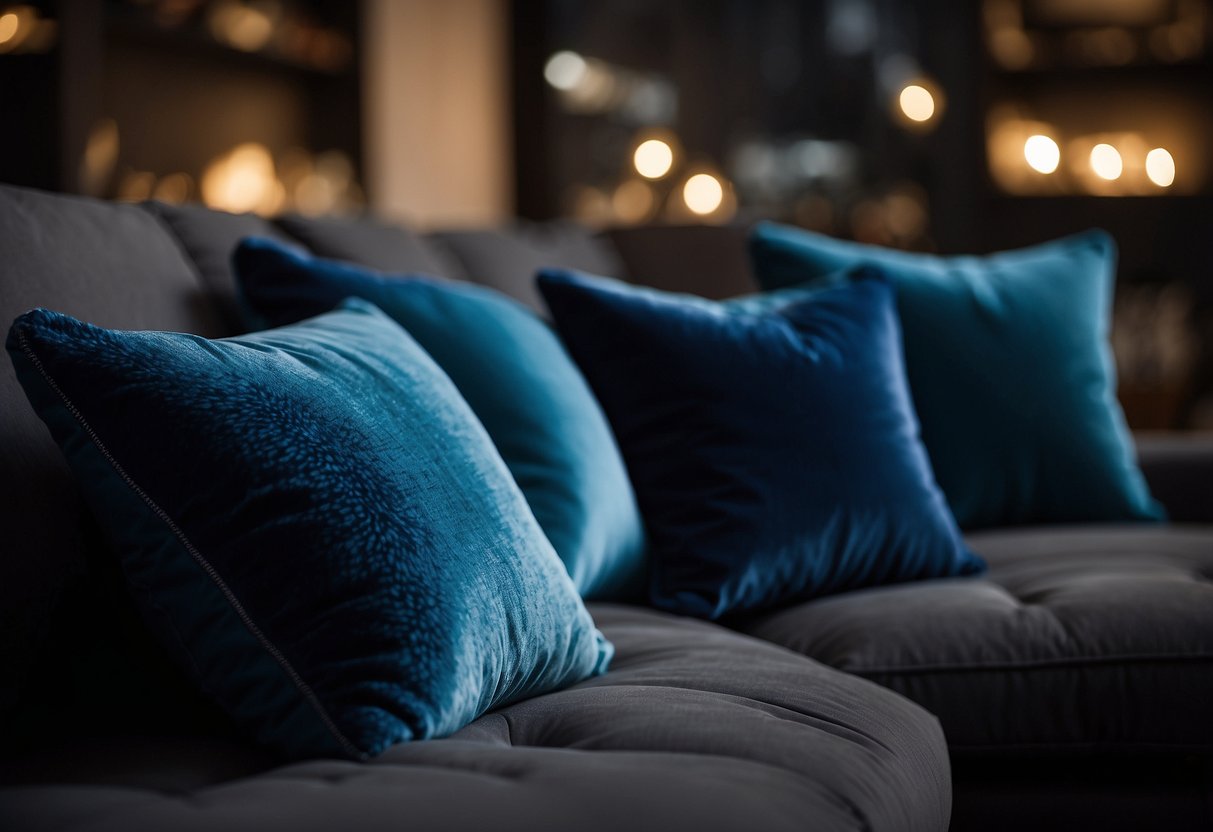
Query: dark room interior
{"x":606,"y":414}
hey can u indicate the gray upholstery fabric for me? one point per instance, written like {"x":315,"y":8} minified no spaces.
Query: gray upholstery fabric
{"x":694,"y":727}
{"x":209,"y":238}
{"x":1078,"y":638}
{"x":1179,"y":469}
{"x":506,"y":259}
{"x":109,"y":264}
{"x":377,"y":245}
{"x":705,"y":260}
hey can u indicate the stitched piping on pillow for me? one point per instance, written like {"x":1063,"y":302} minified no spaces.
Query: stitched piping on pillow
{"x":206,"y":566}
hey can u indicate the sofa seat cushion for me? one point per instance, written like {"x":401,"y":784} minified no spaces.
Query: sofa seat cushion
{"x":1087,"y":638}
{"x":694,"y":727}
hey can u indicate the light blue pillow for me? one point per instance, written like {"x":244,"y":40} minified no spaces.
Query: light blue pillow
{"x":773,"y":446}
{"x":1010,"y":370}
{"x":314,"y":524}
{"x":513,"y":371}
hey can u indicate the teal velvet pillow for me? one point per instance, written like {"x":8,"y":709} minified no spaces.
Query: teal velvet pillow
{"x":513,"y":371}
{"x":314,"y":523}
{"x":1010,"y":370}
{"x":773,"y":446}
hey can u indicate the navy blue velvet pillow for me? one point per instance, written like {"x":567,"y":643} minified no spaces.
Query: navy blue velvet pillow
{"x":516,"y":376}
{"x":773,"y":446}
{"x":314,"y":524}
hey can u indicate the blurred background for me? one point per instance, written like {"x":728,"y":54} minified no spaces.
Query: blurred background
{"x":921,"y":124}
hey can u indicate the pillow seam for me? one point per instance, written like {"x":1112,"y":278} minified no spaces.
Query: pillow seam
{"x":301,"y":685}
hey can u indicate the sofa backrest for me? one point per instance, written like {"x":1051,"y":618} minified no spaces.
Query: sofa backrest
{"x":208,"y":238}
{"x":113,"y":265}
{"x":155,"y":266}
{"x":705,"y":260}
{"x":506,"y":259}
{"x":376,"y":245}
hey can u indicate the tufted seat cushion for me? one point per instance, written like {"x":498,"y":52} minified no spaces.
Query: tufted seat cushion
{"x":694,"y":727}
{"x":1077,"y":639}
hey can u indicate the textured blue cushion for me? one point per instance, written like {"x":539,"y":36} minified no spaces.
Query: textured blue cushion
{"x":1010,"y":370}
{"x":314,"y":524}
{"x":773,"y":448}
{"x":518,"y":379}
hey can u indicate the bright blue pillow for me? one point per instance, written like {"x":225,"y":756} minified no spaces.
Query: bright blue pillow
{"x":1010,"y":369}
{"x":513,"y":371}
{"x":774,"y":452}
{"x":313,"y":523}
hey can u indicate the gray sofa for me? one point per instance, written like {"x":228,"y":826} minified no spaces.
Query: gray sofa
{"x":1070,"y":685}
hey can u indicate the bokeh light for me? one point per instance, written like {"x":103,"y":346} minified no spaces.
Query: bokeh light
{"x":243,"y":180}
{"x":174,"y":188}
{"x":916,"y":103}
{"x":565,"y":70}
{"x":633,"y":201}
{"x":9,"y":24}
{"x":1160,"y":167}
{"x":1106,"y":162}
{"x":1041,"y":153}
{"x":653,"y":158}
{"x":703,"y":193}
{"x":247,"y":26}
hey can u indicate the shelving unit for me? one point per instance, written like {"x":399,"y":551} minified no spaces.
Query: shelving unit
{"x":1161,"y":231}
{"x":164,"y":97}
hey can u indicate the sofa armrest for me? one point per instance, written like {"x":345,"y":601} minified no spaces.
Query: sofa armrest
{"x":1179,"y":469}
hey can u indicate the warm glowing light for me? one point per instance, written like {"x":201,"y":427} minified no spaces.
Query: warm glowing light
{"x":592,"y":206}
{"x":565,"y":70}
{"x":905,"y":213}
{"x":315,"y":195}
{"x":136,"y":185}
{"x":653,"y":159}
{"x":1160,"y":167}
{"x":9,"y":24}
{"x":1012,"y":47}
{"x":173,"y":188}
{"x":633,"y":201}
{"x":1106,"y":162}
{"x":243,"y":180}
{"x":320,"y":188}
{"x":1042,"y":153}
{"x":916,"y":103}
{"x":1026,"y":155}
{"x":247,"y":27}
{"x":703,"y":193}
{"x":250,"y":30}
{"x":100,"y":157}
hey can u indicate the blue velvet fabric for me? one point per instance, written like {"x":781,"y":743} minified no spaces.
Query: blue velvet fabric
{"x":773,"y":447}
{"x":1010,"y":369}
{"x":313,"y":523}
{"x":513,"y":371}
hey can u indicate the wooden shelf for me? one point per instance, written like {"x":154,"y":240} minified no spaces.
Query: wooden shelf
{"x":179,"y":96}
{"x":125,"y":29}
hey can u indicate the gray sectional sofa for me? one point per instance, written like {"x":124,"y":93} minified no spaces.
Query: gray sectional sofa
{"x":1069,"y":686}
